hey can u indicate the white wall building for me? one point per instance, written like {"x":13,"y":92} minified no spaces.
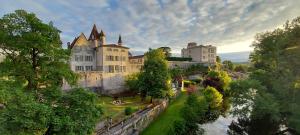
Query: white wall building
{"x":102,"y":66}
{"x":200,"y":53}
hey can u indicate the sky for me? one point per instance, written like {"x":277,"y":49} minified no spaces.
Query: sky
{"x":231,"y":25}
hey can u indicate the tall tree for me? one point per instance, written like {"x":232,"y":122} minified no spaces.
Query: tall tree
{"x":35,"y":65}
{"x":155,"y":77}
{"x":276,"y":67}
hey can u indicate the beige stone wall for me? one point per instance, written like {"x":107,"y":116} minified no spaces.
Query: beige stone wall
{"x":92,"y":79}
{"x":136,"y":64}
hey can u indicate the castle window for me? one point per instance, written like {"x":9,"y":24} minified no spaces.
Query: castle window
{"x":111,"y":68}
{"x":78,"y":58}
{"x":79,"y":68}
{"x":88,"y":68}
{"x":123,"y":58}
{"x":122,"y":50}
{"x":88,"y":58}
{"x":116,"y":50}
{"x":109,"y":49}
{"x":109,"y":58}
{"x":117,"y":68}
{"x":117,"y":58}
{"x":124,"y":68}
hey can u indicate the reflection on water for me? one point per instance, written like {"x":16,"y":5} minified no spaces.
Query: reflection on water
{"x":218,"y":127}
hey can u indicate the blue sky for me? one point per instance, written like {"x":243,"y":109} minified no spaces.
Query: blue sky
{"x":228,"y":24}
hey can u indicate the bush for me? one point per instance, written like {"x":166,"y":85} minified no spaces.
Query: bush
{"x":128,"y":110}
{"x":187,"y":83}
{"x":178,"y":59}
{"x":213,"y":97}
{"x":196,"y":69}
{"x":178,"y":128}
{"x":191,"y":89}
{"x":240,"y":68}
{"x":132,"y":82}
{"x":217,"y":79}
{"x":197,"y":81}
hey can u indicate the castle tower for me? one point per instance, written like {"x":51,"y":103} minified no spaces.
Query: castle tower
{"x":102,"y":38}
{"x":94,"y":33}
{"x":120,"y":40}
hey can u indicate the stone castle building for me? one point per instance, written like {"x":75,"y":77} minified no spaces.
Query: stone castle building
{"x":200,"y":53}
{"x":102,"y":66}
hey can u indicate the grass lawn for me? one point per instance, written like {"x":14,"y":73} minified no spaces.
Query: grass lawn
{"x":116,"y":112}
{"x":161,"y":125}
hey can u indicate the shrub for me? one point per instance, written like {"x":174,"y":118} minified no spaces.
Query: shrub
{"x":240,"y":68}
{"x":178,"y":59}
{"x":213,"y":97}
{"x":217,"y":79}
{"x":191,"y":89}
{"x":128,"y":110}
{"x":132,"y":81}
{"x":197,"y":81}
{"x":178,"y":128}
{"x":187,"y":83}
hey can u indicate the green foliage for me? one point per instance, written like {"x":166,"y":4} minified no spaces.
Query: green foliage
{"x":240,"y":68}
{"x":31,"y":77}
{"x":178,"y":128}
{"x":176,"y":72}
{"x":218,"y":79}
{"x":192,"y":113}
{"x":128,"y":110}
{"x":166,"y":51}
{"x":155,"y":77}
{"x":24,"y":115}
{"x":178,"y":59}
{"x":76,"y":113}
{"x":213,"y":97}
{"x":227,"y":64}
{"x":276,"y":65}
{"x":242,"y":93}
{"x":132,"y":82}
{"x":196,"y":69}
{"x":33,"y":51}
{"x":188,"y":83}
{"x":218,"y":59}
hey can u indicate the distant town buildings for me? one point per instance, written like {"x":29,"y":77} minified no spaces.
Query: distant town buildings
{"x":200,"y":53}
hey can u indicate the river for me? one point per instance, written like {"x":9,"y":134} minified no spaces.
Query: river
{"x":218,"y":127}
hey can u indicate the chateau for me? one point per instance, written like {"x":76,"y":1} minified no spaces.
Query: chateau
{"x":200,"y":53}
{"x":103,"y":67}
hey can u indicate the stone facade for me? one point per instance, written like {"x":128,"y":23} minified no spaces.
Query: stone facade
{"x":200,"y":53}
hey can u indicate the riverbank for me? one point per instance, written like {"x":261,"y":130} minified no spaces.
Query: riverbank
{"x":163,"y":122}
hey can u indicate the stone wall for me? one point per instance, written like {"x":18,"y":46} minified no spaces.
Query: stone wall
{"x":134,"y":124}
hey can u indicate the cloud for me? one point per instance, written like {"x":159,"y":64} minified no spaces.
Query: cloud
{"x":229,"y":24}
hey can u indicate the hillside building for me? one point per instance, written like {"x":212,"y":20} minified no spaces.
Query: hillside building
{"x":200,"y":53}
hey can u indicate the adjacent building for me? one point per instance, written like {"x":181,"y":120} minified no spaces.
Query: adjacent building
{"x":200,"y":53}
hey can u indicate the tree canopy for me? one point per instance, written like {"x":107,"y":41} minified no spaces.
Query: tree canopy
{"x":155,"y":78}
{"x":31,"y":77}
{"x":276,"y":69}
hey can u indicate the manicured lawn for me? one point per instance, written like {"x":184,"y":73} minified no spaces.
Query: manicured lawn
{"x":116,"y":112}
{"x":163,"y":122}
